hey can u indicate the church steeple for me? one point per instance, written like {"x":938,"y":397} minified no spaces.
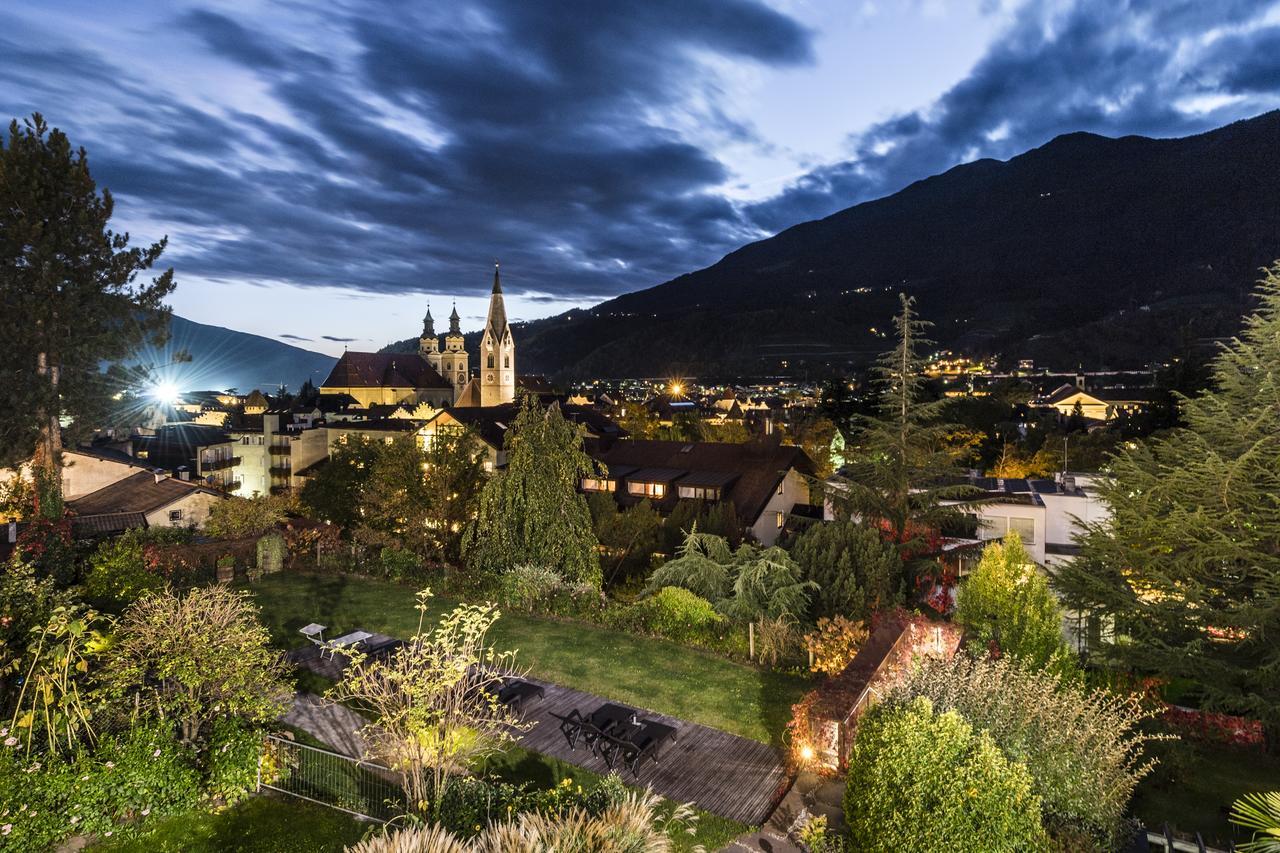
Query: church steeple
{"x":497,"y":351}
{"x":454,"y":319}
{"x":428,"y":345}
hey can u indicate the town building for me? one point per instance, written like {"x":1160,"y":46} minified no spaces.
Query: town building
{"x":767,"y":482}
{"x":159,"y":499}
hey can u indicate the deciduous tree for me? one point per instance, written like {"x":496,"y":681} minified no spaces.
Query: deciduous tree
{"x":197,"y":657}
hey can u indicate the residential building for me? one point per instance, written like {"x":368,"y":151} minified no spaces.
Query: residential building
{"x":161,"y":500}
{"x":767,"y":482}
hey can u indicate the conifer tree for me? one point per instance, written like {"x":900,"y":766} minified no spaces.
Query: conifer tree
{"x":69,"y":300}
{"x":531,"y":513}
{"x":1186,"y":573}
{"x":901,"y":465}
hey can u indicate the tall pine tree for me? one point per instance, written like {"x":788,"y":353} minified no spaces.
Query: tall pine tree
{"x":69,"y":300}
{"x":1187,"y":570}
{"x":531,"y":513}
{"x":900,"y":469}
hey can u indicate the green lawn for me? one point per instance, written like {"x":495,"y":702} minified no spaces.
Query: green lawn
{"x":258,"y":825}
{"x":1216,"y":777}
{"x":654,"y":674}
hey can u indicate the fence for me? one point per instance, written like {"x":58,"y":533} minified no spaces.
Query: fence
{"x":357,"y":787}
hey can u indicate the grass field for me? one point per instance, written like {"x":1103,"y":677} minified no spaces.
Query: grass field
{"x":258,"y":825}
{"x":642,"y":671}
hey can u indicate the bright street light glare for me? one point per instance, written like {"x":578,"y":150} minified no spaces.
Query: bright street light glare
{"x":166,"y":393}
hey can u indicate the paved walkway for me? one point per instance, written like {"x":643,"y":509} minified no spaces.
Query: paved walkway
{"x":336,"y":726}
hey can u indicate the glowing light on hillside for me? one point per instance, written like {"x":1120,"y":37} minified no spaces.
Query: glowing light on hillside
{"x":677,"y":388}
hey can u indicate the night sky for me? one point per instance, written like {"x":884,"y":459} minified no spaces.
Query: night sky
{"x":323,"y":170}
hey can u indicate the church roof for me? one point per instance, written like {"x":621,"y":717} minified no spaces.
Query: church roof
{"x":384,"y":370}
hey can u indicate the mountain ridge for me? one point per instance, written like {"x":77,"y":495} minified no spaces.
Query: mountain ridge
{"x":1107,"y":251}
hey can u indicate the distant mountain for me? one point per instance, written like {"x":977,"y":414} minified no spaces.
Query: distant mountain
{"x":1087,"y":250}
{"x":223,"y":358}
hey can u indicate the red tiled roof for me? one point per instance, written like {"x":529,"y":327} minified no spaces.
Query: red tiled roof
{"x":384,"y":369}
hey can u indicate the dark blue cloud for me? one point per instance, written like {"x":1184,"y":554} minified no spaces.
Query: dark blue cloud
{"x":401,"y":148}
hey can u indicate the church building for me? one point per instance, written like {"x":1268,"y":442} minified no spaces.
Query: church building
{"x":432,"y":375}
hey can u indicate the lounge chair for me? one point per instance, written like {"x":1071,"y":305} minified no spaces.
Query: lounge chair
{"x":571,"y":727}
{"x":346,"y":641}
{"x":648,"y":741}
{"x":516,"y":692}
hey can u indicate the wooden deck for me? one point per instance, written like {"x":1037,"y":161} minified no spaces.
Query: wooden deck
{"x":331,"y":667}
{"x":724,"y":774}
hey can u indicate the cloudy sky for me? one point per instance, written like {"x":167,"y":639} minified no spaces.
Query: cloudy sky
{"x":324,"y":170}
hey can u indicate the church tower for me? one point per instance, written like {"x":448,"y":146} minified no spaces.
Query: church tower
{"x":428,"y":344}
{"x":453,"y":361}
{"x":497,"y":352}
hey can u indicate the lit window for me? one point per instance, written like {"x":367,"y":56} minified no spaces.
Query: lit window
{"x":781,"y":518}
{"x":699,"y":493}
{"x":595,"y":484}
{"x":782,"y":487}
{"x":648,"y":490}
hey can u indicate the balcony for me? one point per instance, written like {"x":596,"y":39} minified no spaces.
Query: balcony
{"x":279,"y":490}
{"x":280,"y":470}
{"x":219,"y":464}
{"x":280,"y":449}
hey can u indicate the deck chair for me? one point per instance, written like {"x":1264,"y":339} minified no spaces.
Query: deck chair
{"x":571,"y":727}
{"x":648,"y":742}
{"x":315,"y":633}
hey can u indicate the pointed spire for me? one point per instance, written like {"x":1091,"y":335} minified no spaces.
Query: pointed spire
{"x":497,"y":323}
{"x":428,"y":324}
{"x":454,"y":319}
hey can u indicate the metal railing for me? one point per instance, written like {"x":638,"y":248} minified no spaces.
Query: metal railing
{"x":359,"y":788}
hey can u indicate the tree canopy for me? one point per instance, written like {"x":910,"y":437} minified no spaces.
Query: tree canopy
{"x":1187,"y":569}
{"x":69,"y":297}
{"x":1005,"y":605}
{"x":531,"y":512}
{"x":898,"y":464}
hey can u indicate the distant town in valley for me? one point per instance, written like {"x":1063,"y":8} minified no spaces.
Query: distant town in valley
{"x":709,"y":427}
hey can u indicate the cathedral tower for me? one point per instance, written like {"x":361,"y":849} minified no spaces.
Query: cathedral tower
{"x":453,"y":361}
{"x":497,"y":352}
{"x":428,"y":344}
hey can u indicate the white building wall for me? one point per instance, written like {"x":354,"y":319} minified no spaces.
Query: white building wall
{"x":194,"y":511}
{"x":82,"y":473}
{"x":793,"y":490}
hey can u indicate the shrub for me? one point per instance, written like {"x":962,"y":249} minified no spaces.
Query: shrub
{"x":920,"y":780}
{"x":231,"y":760}
{"x":1006,"y":604}
{"x":471,"y":803}
{"x":856,"y":571}
{"x":535,"y":589}
{"x":835,"y":643}
{"x":632,"y":824}
{"x":529,"y":588}
{"x":47,"y":547}
{"x":677,"y":614}
{"x":125,"y":782}
{"x":1084,"y":749}
{"x":399,"y":565}
{"x":118,"y":575}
